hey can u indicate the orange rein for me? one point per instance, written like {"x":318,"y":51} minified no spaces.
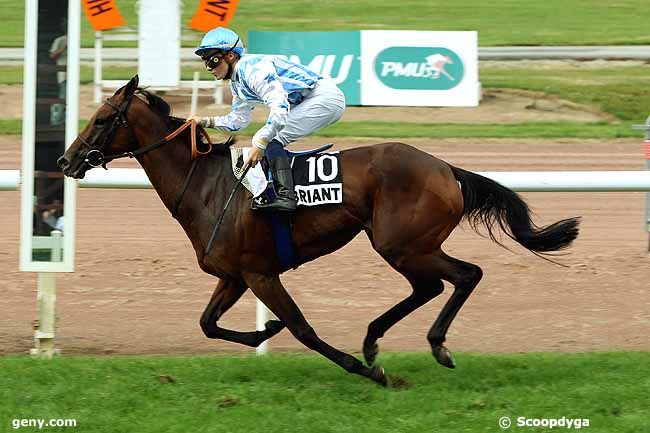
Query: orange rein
{"x":192,"y":124}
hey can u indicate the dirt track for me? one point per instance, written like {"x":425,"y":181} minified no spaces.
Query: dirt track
{"x":137,"y":287}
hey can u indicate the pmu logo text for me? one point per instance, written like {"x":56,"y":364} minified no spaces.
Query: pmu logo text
{"x":419,"y":68}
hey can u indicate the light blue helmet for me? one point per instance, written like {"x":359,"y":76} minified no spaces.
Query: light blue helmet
{"x":221,"y":38}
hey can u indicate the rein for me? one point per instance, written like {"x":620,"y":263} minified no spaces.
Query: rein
{"x":101,"y":160}
{"x":96,"y":158}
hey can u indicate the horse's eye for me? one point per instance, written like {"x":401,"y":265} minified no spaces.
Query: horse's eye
{"x":99,"y":122}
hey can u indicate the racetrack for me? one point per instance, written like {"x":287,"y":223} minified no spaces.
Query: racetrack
{"x":137,"y":287}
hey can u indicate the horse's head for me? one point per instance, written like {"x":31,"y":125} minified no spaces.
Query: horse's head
{"x":107,"y":133}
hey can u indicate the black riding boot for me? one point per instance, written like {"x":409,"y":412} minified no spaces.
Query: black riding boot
{"x":283,"y":183}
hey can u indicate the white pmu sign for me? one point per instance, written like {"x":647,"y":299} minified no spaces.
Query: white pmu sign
{"x":50,"y":123}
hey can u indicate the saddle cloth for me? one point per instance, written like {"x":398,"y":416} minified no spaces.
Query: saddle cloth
{"x":255,"y":181}
{"x":317,"y":177}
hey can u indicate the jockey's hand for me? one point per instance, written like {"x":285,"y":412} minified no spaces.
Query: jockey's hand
{"x":255,"y":155}
{"x":201,"y":121}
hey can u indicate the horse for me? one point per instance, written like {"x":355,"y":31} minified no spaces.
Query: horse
{"x":406,"y":201}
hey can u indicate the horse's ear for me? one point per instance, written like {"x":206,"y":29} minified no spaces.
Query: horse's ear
{"x":132,"y":86}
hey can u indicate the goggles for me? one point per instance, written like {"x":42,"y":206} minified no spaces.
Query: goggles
{"x":213,"y":62}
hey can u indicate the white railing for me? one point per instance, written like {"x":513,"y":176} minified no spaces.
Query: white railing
{"x":549,"y":181}
{"x":522,"y":181}
{"x":53,"y":242}
{"x":9,"y":180}
{"x":104,"y":87}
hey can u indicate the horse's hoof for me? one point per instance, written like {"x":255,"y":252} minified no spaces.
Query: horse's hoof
{"x":378,"y":374}
{"x":370,"y":353}
{"x":274,"y":326}
{"x":443,"y":356}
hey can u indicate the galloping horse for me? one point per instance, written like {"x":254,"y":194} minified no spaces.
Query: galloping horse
{"x":407,"y":202}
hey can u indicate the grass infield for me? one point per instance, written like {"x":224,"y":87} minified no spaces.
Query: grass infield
{"x":498,"y":22}
{"x":282,"y":393}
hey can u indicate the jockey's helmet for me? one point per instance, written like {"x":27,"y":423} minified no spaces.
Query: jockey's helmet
{"x":220,"y":38}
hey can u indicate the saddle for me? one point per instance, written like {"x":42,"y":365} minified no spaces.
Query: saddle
{"x":329,"y":190}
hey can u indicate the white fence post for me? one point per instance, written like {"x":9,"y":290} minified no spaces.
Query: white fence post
{"x":45,"y":325}
{"x":646,"y":156}
{"x":97,"y":76}
{"x":195,"y":93}
{"x":261,"y":317}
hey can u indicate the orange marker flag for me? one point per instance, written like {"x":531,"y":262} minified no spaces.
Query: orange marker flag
{"x":211,"y":14}
{"x":103,"y":14}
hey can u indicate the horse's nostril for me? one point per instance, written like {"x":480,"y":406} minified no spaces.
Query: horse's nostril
{"x":62,"y":162}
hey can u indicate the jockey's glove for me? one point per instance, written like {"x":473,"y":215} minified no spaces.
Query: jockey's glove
{"x":260,"y":142}
{"x":205,"y":122}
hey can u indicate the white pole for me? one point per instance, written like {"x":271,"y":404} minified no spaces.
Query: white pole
{"x":261,"y":315}
{"x":646,"y":155}
{"x":57,"y":245}
{"x":98,"y":67}
{"x":45,"y":325}
{"x":195,"y":93}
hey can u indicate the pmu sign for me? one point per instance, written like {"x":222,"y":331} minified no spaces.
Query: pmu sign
{"x":419,"y":68}
{"x":331,"y":54}
{"x":386,"y":67}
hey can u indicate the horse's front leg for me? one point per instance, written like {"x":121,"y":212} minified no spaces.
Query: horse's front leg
{"x":270,"y":291}
{"x":225,"y":295}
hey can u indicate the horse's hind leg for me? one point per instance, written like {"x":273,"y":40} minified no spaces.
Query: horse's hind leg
{"x":225,"y":295}
{"x":423,"y":291}
{"x":270,"y":291}
{"x":425,"y":273}
{"x":464,"y":276}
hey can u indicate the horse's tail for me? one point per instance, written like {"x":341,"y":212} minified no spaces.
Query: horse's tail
{"x":489,"y":203}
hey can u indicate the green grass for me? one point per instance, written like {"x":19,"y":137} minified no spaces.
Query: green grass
{"x":307,"y":393}
{"x":499,"y":22}
{"x":621,"y":91}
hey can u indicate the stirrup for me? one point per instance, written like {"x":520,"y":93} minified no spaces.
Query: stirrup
{"x":277,"y":205}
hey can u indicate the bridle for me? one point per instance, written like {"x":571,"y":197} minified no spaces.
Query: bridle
{"x":95,"y":156}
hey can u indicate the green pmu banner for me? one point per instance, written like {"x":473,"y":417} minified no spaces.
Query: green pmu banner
{"x":331,"y":54}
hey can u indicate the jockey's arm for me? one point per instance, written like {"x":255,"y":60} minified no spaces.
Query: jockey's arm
{"x":266,"y":84}
{"x":238,"y":118}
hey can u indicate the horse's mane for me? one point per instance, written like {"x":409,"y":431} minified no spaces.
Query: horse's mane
{"x":157,"y":103}
{"x":160,"y":106}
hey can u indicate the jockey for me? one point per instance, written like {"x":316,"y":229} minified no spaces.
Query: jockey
{"x":300,"y":102}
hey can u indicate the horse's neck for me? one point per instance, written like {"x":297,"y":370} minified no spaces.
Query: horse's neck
{"x":169,"y":166}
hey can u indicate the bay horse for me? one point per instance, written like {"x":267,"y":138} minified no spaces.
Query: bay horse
{"x":405,"y":200}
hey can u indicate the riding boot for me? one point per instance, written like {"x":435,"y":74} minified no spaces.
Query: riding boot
{"x":285,"y":200}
